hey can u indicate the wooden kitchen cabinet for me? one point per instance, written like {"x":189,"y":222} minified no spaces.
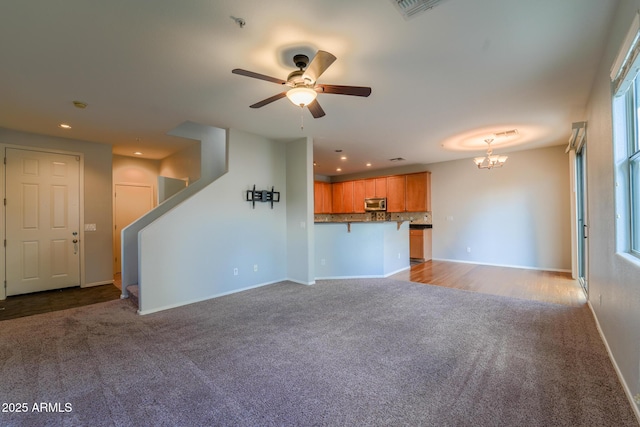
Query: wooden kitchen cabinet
{"x":336,"y":197}
{"x":375,"y":187}
{"x":418,"y":192}
{"x":347,"y":197}
{"x":322,"y":197}
{"x":358,"y":195}
{"x":396,"y":192}
{"x":342,"y":196}
{"x":381,"y":189}
{"x":420,"y":244}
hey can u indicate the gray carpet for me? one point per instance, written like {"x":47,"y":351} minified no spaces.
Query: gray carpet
{"x":344,"y":353}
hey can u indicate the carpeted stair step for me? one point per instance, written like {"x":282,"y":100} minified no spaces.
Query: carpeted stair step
{"x":133,"y":294}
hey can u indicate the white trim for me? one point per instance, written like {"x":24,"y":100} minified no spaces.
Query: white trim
{"x":90,"y":285}
{"x":195,"y":300}
{"x":525,"y":267}
{"x":626,"y":388}
{"x":375,"y":276}
{"x":625,"y":49}
{"x":299,"y":282}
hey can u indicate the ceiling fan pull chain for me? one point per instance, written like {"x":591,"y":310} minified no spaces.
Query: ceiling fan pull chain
{"x":301,"y":117}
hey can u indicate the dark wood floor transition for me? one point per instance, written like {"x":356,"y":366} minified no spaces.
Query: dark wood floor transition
{"x":537,"y":285}
{"x":61,"y":299}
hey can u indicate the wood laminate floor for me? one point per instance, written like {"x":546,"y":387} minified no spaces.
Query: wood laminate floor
{"x":546,"y":286}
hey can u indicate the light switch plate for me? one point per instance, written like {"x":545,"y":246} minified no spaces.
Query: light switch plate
{"x":89,"y":227}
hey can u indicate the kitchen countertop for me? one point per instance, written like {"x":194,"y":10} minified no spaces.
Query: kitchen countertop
{"x":414,"y":218}
{"x":419,"y":226}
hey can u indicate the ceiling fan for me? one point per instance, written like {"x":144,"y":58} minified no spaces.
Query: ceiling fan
{"x":302,"y":83}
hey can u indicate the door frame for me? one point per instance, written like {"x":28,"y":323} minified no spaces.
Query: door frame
{"x":154,"y":203}
{"x":3,"y":267}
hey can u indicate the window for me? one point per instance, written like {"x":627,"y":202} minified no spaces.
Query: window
{"x":625,"y":76}
{"x":634,"y":164}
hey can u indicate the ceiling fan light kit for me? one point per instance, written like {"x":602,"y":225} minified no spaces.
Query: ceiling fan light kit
{"x":303,"y":83}
{"x":301,"y":96}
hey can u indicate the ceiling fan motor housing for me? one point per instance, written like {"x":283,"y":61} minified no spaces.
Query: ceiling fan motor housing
{"x":297,"y":78}
{"x":301,"y":61}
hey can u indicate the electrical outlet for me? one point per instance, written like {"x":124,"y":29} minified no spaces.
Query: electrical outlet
{"x":255,"y":267}
{"x":468,"y":249}
{"x":235,"y":271}
{"x":636,"y":398}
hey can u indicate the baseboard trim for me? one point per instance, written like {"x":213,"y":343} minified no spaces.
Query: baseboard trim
{"x":299,"y":282}
{"x":397,"y":271}
{"x":625,"y":386}
{"x":365,"y":276}
{"x":90,"y":285}
{"x":559,"y":270}
{"x":212,"y":296}
{"x":378,"y":276}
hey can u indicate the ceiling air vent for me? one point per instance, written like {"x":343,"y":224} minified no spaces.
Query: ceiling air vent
{"x":397,"y":159}
{"x":511,"y":132}
{"x":411,"y":8}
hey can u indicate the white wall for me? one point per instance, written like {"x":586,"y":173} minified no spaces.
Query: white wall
{"x":517,"y":215}
{"x":183,"y":164}
{"x":134,"y":170}
{"x":189,"y":254}
{"x":613,"y":276}
{"x":300,"y":233}
{"x":213,"y":146}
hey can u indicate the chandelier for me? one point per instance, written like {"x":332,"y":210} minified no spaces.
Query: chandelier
{"x":490,"y":161}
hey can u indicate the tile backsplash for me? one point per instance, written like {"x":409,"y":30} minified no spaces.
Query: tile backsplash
{"x":413,"y":217}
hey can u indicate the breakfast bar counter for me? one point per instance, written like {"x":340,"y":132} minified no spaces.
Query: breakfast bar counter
{"x":361,"y":249}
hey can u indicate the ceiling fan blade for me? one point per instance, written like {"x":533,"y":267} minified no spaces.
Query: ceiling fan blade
{"x":268,"y":100}
{"x":315,"y":109}
{"x":246,"y":73}
{"x":344,"y":90}
{"x":319,"y":65}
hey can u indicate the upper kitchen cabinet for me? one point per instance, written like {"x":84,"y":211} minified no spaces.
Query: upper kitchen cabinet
{"x":418,"y":189}
{"x":358,"y":196}
{"x":396,"y":193}
{"x":342,"y":197}
{"x":322,"y":197}
{"x":375,"y":187}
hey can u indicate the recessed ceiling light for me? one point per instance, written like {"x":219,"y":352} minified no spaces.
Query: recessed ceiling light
{"x":338,"y":170}
{"x":64,"y":126}
{"x":138,"y":153}
{"x":368,"y":164}
{"x":343,"y":157}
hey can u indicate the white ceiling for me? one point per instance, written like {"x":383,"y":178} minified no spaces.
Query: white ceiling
{"x":440,"y":81}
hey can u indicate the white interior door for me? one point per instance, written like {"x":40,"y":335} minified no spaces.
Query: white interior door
{"x":42,"y":221}
{"x":130,"y":203}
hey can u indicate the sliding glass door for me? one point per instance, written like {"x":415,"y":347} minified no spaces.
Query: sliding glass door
{"x":581,"y":211}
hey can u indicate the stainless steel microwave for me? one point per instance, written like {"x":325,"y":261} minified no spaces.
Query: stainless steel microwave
{"x":375,"y":204}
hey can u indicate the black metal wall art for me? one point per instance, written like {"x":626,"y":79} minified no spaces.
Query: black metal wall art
{"x":254,"y":196}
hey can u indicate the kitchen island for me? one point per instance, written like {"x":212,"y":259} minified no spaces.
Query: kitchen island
{"x":361,"y":249}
